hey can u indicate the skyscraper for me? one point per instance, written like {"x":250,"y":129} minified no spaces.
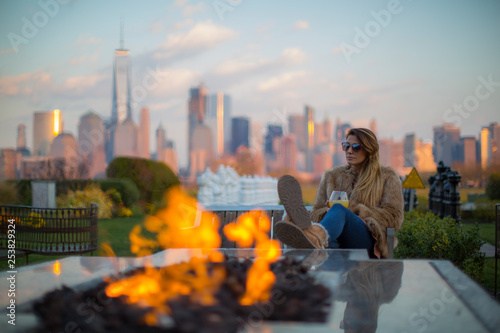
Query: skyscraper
{"x":91,"y":137}
{"x":143,"y":136}
{"x":121,"y":108}
{"x":165,"y":150}
{"x":201,"y":154}
{"x":21,"y":136}
{"x":494,"y":129}
{"x":297,"y":127}
{"x":125,"y":141}
{"x":64,"y":156}
{"x":21,"y":142}
{"x":446,"y":144}
{"x":468,"y":154}
{"x":409,"y":146}
{"x":196,"y":113}
{"x":46,"y":126}
{"x":309,"y":123}
{"x":289,"y":152}
{"x":485,"y":147}
{"x":240,"y":133}
{"x":273,"y":132}
{"x":218,"y":118}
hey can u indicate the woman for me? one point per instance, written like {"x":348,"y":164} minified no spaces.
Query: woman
{"x":375,"y":203}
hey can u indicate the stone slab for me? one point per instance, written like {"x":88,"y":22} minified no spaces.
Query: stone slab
{"x":383,"y":295}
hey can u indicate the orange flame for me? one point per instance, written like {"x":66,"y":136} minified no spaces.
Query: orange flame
{"x":182,"y":224}
{"x":249,"y":228}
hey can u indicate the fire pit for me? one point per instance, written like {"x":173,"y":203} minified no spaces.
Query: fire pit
{"x":296,"y":296}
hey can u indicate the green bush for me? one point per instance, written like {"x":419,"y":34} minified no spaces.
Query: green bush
{"x":23,"y":188}
{"x":427,"y":236}
{"x":83,"y":198}
{"x":125,"y":187}
{"x":8,"y":194}
{"x":152,"y":178}
{"x":493,"y":187}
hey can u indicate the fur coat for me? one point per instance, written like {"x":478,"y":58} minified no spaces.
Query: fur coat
{"x":388,"y":213}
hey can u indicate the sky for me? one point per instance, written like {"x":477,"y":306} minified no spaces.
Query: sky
{"x":409,"y":64}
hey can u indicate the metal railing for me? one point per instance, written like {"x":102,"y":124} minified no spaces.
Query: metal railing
{"x":50,"y":231}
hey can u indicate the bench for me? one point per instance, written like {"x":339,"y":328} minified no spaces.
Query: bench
{"x":48,"y":231}
{"x":228,"y":214}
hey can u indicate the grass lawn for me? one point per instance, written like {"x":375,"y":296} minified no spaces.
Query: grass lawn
{"x":115,"y":233}
{"x":486,"y":231}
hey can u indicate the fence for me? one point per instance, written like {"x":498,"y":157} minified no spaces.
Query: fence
{"x":49,"y":231}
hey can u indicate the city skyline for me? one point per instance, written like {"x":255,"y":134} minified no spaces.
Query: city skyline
{"x":410,"y":65}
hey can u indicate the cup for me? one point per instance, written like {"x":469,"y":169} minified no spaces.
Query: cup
{"x":338,"y":197}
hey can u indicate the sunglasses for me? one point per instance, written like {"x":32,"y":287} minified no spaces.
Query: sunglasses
{"x":356,"y":147}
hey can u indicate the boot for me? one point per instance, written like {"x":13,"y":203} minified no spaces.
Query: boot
{"x":290,"y":195}
{"x":314,"y":237}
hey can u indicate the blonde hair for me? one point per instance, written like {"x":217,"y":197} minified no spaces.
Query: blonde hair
{"x":369,"y":186}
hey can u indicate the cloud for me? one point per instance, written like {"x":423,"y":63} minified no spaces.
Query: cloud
{"x":203,"y":36}
{"x":181,"y":24}
{"x":81,"y":83}
{"x":301,"y":25}
{"x":285,"y":79}
{"x":290,"y":56}
{"x":174,"y":82}
{"x":23,"y":84}
{"x":293,"y":56}
{"x":88,"y":41}
{"x":77,"y":60}
{"x":12,"y":50}
{"x":190,"y":10}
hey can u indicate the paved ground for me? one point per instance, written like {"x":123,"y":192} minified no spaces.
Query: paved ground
{"x":488,"y":250}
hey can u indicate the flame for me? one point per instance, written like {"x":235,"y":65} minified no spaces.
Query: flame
{"x":183,"y":224}
{"x":57,"y":268}
{"x":250,"y":228}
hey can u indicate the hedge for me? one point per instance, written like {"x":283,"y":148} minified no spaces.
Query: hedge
{"x":152,"y":178}
{"x":427,"y":236}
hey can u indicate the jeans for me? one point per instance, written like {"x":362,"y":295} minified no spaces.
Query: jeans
{"x":347,"y":230}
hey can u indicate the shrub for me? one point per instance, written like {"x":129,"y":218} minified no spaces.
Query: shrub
{"x":152,"y":178}
{"x":23,"y":188}
{"x":8,"y":193}
{"x":125,"y":187}
{"x":493,"y":187}
{"x":83,"y":198}
{"x":427,"y":236}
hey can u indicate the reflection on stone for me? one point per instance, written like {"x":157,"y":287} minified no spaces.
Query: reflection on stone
{"x":367,"y":285}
